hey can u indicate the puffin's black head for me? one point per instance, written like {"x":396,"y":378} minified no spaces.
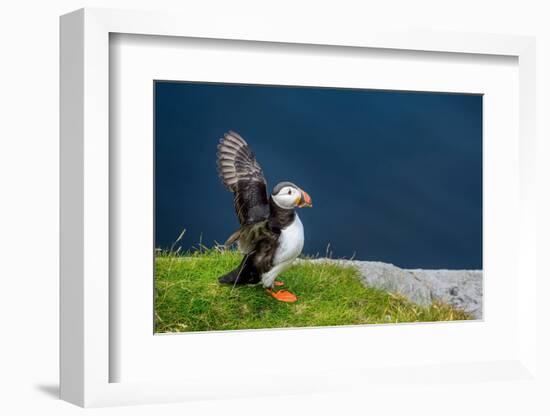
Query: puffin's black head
{"x":289,"y":196}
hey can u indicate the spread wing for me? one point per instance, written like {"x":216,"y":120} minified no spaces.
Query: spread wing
{"x":242,"y":175}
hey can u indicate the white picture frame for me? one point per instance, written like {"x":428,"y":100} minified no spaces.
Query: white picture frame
{"x":86,"y":356}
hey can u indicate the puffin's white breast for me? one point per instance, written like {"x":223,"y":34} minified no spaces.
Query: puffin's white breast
{"x":291,"y":242}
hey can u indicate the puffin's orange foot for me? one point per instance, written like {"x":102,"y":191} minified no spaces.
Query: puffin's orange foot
{"x":283,"y":296}
{"x":279,"y":283}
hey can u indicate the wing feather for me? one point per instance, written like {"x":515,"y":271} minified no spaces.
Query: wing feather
{"x":242,"y":174}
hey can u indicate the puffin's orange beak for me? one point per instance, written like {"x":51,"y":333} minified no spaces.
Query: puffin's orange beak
{"x":305,"y":200}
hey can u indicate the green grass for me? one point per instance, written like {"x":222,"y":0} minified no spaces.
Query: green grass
{"x":188,"y":297}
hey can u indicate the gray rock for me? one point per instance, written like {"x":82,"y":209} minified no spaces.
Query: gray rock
{"x":462,"y":289}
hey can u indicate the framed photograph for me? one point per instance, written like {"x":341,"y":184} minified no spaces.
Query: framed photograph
{"x":417,"y":173}
{"x":271,"y":212}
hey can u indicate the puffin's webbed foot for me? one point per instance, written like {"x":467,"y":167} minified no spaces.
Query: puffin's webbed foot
{"x":283,"y":295}
{"x":278,"y":283}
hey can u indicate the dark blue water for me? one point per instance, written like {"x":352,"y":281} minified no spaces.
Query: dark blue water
{"x":394,"y":176}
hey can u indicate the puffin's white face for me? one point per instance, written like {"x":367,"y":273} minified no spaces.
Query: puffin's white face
{"x":290,"y":197}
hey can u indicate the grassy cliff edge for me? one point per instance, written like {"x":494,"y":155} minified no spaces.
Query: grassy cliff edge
{"x":189,"y":298}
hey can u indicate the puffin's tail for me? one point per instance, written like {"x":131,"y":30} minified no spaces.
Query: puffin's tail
{"x":244,"y":274}
{"x":234,"y":277}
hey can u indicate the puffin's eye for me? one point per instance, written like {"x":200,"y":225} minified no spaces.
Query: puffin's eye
{"x":289,"y":191}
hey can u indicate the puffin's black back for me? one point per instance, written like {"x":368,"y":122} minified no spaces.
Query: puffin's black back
{"x":251,"y":203}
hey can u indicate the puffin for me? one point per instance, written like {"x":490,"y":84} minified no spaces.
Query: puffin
{"x":271,"y":235}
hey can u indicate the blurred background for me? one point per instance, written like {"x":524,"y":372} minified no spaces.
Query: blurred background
{"x":394,"y":176}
